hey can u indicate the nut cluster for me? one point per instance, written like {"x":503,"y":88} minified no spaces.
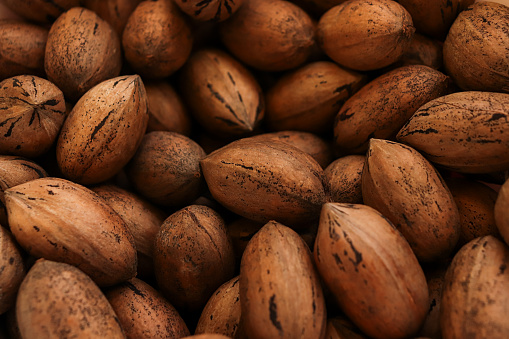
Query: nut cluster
{"x":254,"y":169}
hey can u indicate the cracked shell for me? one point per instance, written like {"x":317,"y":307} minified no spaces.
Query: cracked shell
{"x":371,"y":270}
{"x":280,"y":291}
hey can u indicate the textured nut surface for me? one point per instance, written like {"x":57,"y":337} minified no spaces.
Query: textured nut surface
{"x":402,"y":185}
{"x":57,"y":299}
{"x":22,"y":48}
{"x":41,"y":11}
{"x":383,"y":106}
{"x":269,"y":35}
{"x":365,"y":35}
{"x":209,"y":10}
{"x":166,"y":169}
{"x":475,"y":296}
{"x":501,"y":211}
{"x":193,"y":256}
{"x":12,"y":270}
{"x":62,"y":221}
{"x":476,"y":51}
{"x":222,"y":94}
{"x":371,"y":270}
{"x":464,"y":131}
{"x":103,"y":130}
{"x":276,"y":267}
{"x":309,"y":98}
{"x":32,"y":111}
{"x":144,"y":313}
{"x":157,"y":39}
{"x":222,"y":312}
{"x":344,"y":177}
{"x":115,"y":12}
{"x":263,"y":180}
{"x":82,"y":50}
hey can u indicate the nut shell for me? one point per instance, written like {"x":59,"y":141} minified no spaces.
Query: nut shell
{"x":82,"y":50}
{"x":56,"y":298}
{"x":62,"y":221}
{"x":12,"y":270}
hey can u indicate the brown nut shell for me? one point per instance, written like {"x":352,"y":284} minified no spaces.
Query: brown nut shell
{"x":342,"y":328}
{"x":22,"y":47}
{"x":142,"y":219}
{"x":166,"y":169}
{"x":344,"y":177}
{"x":32,"y":112}
{"x":476,"y":205}
{"x":264,"y":180}
{"x":103,"y":130}
{"x":383,"y":106}
{"x":166,"y":109}
{"x":475,"y":295}
{"x":144,"y":313}
{"x":12,"y":270}
{"x":476,"y":51}
{"x":309,"y":98}
{"x":402,"y":185}
{"x":193,"y":256}
{"x":368,"y":265}
{"x":434,"y":18}
{"x":276,"y":267}
{"x":115,"y":12}
{"x":56,"y":298}
{"x":269,"y":35}
{"x":14,"y":171}
{"x":365,"y":35}
{"x":211,"y":10}
{"x":82,"y":50}
{"x":63,"y":221}
{"x":464,"y":131}
{"x":157,"y":39}
{"x":222,"y":94}
{"x":501,"y":211}
{"x":222,"y":314}
{"x":307,"y":142}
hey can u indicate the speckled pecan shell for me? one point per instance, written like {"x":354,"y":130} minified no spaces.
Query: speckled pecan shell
{"x":209,"y":10}
{"x":166,"y":169}
{"x":501,"y":211}
{"x":368,"y":265}
{"x":193,"y":256}
{"x":309,"y":98}
{"x":344,"y":177}
{"x":166,"y":109}
{"x":402,"y":185}
{"x":464,"y":131}
{"x":157,"y":39}
{"x":144,"y":313}
{"x":56,"y":298}
{"x":276,"y":267}
{"x":475,"y":295}
{"x":115,"y":12}
{"x":103,"y":130}
{"x":12,"y":270}
{"x":382,"y":107}
{"x":307,"y":142}
{"x":22,"y":48}
{"x":476,"y":205}
{"x":142,"y":219}
{"x":82,"y":50}
{"x":365,"y":35}
{"x":476,"y":51}
{"x":269,"y":35}
{"x":264,"y":180}
{"x":63,"y":221}
{"x":32,"y":112}
{"x":222,"y":94}
{"x":221,"y":314}
{"x":14,"y":171}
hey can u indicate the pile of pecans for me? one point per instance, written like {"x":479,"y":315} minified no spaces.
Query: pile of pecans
{"x":254,"y":169}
